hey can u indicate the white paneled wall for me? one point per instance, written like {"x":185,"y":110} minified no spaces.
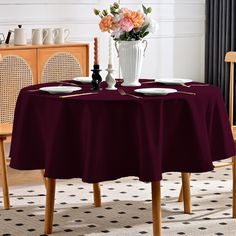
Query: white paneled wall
{"x":176,"y":50}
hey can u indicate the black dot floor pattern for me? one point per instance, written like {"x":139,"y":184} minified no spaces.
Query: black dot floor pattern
{"x":126,"y":208}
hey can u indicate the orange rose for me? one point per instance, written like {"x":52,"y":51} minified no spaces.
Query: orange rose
{"x":106,"y":23}
{"x":136,"y":17}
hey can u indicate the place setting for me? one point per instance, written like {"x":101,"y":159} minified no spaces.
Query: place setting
{"x":160,"y":91}
{"x":176,"y":81}
{"x":66,"y":87}
{"x":59,"y":90}
{"x":156,"y":91}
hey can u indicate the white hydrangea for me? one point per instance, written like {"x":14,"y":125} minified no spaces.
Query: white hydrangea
{"x":153,"y":25}
{"x":117,"y":18}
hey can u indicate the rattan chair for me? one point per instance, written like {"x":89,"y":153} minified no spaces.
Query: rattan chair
{"x":16,"y":73}
{"x":229,"y":57}
{"x":61,"y":66}
{"x":12,"y":79}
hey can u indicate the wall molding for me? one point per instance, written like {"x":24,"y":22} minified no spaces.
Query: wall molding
{"x":177,"y":35}
{"x":81,"y":38}
{"x":155,"y":37}
{"x":84,"y":20}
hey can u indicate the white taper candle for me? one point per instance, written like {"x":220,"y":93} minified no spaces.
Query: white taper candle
{"x":110,"y":56}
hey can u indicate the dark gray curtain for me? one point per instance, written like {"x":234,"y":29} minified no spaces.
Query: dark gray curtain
{"x":220,"y":38}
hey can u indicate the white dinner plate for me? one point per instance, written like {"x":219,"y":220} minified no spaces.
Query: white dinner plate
{"x":84,"y":80}
{"x":173,"y":81}
{"x":155,"y":91}
{"x":60,"y":89}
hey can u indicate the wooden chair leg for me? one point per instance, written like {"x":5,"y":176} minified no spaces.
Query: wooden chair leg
{"x":186,"y":192}
{"x":4,"y":177}
{"x":234,"y":186}
{"x":156,"y":208}
{"x":181,"y":198}
{"x":50,"y":199}
{"x":44,"y":178}
{"x":97,"y":195}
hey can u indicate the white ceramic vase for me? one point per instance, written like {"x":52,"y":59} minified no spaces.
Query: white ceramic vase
{"x":131,"y":59}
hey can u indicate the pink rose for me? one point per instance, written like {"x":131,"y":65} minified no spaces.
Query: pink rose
{"x":126,"y":24}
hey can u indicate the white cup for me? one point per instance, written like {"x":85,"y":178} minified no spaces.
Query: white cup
{"x":49,"y":36}
{"x":20,"y":36}
{"x":61,"y":35}
{"x":37,"y":36}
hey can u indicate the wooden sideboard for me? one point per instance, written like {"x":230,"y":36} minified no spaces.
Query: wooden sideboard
{"x":21,"y":66}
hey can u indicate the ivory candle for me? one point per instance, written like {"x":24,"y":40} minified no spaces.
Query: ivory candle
{"x":96,"y":61}
{"x":110,"y":56}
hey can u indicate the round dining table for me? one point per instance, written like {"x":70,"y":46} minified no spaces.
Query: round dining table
{"x":105,"y":134}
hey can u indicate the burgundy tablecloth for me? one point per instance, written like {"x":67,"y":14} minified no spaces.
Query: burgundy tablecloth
{"x":108,"y":136}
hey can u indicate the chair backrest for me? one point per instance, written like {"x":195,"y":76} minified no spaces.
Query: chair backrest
{"x":61,"y":66}
{"x":231,"y":57}
{"x":15,"y":73}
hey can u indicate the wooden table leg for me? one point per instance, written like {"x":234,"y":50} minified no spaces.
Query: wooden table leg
{"x":234,"y":186}
{"x":156,"y":208}
{"x":44,"y":178}
{"x":3,"y":167}
{"x":186,"y":192}
{"x":97,"y":195}
{"x":50,"y":199}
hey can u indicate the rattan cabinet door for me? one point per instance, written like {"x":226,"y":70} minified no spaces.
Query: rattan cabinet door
{"x":17,"y":70}
{"x":62,"y":63}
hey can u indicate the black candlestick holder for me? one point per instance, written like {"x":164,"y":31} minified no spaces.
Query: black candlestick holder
{"x":96,"y":77}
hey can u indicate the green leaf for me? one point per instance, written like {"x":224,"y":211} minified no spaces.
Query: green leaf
{"x":145,"y":34}
{"x":149,"y":10}
{"x":122,"y":37}
{"x":144,"y":28}
{"x":144,"y":9}
{"x":96,"y":12}
{"x":116,"y":5}
{"x":105,"y":12}
{"x":113,"y":11}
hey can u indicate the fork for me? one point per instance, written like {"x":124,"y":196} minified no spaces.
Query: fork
{"x":186,"y":92}
{"x":68,"y":83}
{"x":194,"y":85}
{"x":182,"y":84}
{"x":78,"y":95}
{"x":123,"y":93}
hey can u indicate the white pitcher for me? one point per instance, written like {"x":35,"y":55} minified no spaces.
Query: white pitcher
{"x":61,"y":35}
{"x":49,"y":35}
{"x":37,"y":36}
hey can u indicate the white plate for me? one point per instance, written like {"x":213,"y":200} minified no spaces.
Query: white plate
{"x":60,"y":89}
{"x":84,"y":80}
{"x":173,"y":81}
{"x":155,"y":91}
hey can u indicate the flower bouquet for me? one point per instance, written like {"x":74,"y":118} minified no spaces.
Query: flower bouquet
{"x":128,"y":28}
{"x":125,"y":24}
